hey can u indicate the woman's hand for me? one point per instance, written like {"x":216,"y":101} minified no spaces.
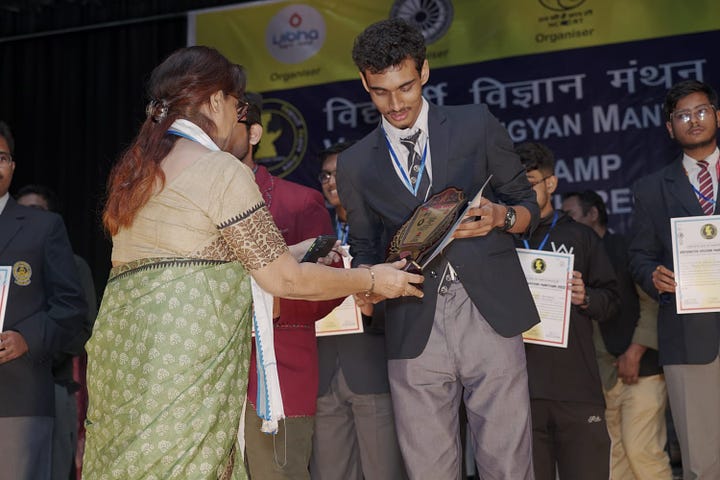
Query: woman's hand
{"x":391,"y":282}
{"x":334,"y":256}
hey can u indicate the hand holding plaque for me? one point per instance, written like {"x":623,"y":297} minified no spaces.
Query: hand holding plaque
{"x":430,"y":228}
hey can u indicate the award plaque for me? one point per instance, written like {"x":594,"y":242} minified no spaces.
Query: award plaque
{"x":431,"y":227}
{"x":426,"y":228}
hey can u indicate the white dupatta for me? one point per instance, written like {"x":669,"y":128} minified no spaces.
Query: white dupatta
{"x":269,"y":399}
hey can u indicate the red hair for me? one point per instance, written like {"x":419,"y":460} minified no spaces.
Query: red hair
{"x":178,"y":87}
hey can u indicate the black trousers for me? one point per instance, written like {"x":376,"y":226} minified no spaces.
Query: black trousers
{"x":571,"y":436}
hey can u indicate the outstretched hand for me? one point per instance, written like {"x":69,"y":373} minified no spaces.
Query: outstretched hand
{"x":391,"y":282}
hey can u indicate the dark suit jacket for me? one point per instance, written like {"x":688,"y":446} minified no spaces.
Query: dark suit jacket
{"x":49,"y":311}
{"x":467,"y":144}
{"x":682,"y":339}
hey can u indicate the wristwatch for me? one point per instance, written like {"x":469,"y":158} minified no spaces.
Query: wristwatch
{"x":510,"y":219}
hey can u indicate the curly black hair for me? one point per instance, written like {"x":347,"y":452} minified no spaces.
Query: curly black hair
{"x":387,"y":43}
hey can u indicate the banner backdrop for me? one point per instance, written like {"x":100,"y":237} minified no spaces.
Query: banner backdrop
{"x":585,"y":77}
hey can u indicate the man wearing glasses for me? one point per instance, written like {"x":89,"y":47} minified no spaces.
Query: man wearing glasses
{"x":44,"y":316}
{"x":688,"y":344}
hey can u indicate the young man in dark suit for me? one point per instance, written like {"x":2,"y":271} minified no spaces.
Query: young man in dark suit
{"x":461,"y":342}
{"x":45,"y":314}
{"x":688,"y":344}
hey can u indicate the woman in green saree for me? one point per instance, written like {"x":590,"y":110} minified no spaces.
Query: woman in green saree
{"x":168,"y":360}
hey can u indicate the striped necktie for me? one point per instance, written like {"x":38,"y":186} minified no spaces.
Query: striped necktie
{"x":705,"y":188}
{"x":413,"y":164}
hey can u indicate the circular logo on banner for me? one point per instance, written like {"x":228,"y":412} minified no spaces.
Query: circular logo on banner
{"x":295,"y":33}
{"x":538,"y":265}
{"x":432,"y":17}
{"x":561,"y":5}
{"x":708,"y":231}
{"x":284,"y":139}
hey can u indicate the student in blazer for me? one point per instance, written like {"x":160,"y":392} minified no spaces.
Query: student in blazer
{"x":45,"y":315}
{"x":688,"y":344}
{"x":461,"y":342}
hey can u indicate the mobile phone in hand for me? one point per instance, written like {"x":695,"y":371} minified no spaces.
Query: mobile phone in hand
{"x":319,"y":248}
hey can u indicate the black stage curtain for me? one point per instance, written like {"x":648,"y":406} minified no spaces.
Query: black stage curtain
{"x":74,"y":102}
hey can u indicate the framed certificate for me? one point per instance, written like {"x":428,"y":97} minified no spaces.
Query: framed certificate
{"x":696,"y":263}
{"x":548,"y":275}
{"x":346,"y":318}
{"x":5,"y":275}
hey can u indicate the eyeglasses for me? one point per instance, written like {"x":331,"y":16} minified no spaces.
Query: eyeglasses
{"x":5,"y":159}
{"x":538,"y":182}
{"x":242,"y":109}
{"x":701,"y":113}
{"x":325,"y":176}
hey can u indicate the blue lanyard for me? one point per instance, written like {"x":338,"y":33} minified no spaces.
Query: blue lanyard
{"x":342,"y":229}
{"x":547,"y":235}
{"x":406,"y":180}
{"x":181,"y":134}
{"x":711,"y":200}
{"x":695,"y":189}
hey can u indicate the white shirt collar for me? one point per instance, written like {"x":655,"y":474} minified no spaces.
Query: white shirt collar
{"x":691,"y":166}
{"x":692,"y":169}
{"x":395,"y":134}
{"x":3,"y":201}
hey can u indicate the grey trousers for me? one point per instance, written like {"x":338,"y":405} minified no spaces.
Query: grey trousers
{"x":25,"y":448}
{"x":464,"y":359}
{"x":694,"y":393}
{"x":354,"y":436}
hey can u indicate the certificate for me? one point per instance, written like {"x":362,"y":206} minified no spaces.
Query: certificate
{"x":696,"y":263}
{"x":5,"y":273}
{"x":547,"y":275}
{"x":346,"y":317}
